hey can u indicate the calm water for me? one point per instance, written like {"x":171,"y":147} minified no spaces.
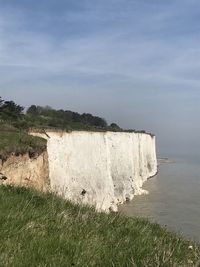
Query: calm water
{"x":174,"y":197}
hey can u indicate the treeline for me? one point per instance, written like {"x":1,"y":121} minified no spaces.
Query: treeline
{"x":37,"y":116}
{"x":63,"y":118}
{"x":14,"y":116}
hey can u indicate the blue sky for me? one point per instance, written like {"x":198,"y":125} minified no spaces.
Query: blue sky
{"x":135,"y":62}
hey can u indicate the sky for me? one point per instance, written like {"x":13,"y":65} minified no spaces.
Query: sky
{"x":133,"y":62}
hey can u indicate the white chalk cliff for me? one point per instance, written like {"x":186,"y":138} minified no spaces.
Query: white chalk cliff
{"x":100,"y":168}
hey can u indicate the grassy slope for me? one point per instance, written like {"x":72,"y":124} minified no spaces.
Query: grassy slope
{"x":19,"y":143}
{"x":42,"y":230}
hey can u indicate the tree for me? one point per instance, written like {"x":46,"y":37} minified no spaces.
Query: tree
{"x":99,"y":122}
{"x":1,"y":104}
{"x":1,"y":101}
{"x":114,"y":126}
{"x":11,"y":111}
{"x":32,"y":110}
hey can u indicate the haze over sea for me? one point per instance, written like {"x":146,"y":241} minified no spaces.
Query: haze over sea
{"x":133,"y":62}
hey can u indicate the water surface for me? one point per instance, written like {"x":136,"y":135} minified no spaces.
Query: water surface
{"x":173,"y":199}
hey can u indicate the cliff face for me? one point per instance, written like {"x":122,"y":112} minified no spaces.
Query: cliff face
{"x":100,"y":168}
{"x":96,"y":168}
{"x":25,"y":171}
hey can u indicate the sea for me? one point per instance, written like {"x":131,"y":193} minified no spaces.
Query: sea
{"x":174,"y":197}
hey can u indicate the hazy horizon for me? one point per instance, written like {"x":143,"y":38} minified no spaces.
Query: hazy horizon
{"x":135,"y":63}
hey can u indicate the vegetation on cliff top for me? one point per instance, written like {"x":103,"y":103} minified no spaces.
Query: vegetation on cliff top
{"x":43,"y":230}
{"x":47,"y":117}
{"x":14,"y":125}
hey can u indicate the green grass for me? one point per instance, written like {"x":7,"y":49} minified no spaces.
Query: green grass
{"x":19,"y":143}
{"x":39,"y":229}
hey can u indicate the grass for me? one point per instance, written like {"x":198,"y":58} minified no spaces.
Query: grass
{"x":19,"y":143}
{"x":39,"y":229}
